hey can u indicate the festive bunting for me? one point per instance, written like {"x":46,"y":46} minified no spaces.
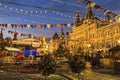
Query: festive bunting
{"x":27,"y":35}
{"x":36,"y":26}
{"x":92,"y":4}
{"x":106,"y":11}
{"x":97,"y":7}
{"x":35,"y":12}
{"x":68,"y":3}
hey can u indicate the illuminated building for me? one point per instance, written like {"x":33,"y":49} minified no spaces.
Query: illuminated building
{"x":1,"y":40}
{"x":94,"y":34}
{"x":56,"y":40}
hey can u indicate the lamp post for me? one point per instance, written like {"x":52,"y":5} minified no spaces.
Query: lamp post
{"x":118,"y":42}
{"x":89,"y":47}
{"x":88,"y":51}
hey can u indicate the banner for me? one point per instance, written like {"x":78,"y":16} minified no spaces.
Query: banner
{"x":36,"y":26}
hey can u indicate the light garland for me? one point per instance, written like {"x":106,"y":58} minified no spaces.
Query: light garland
{"x":36,"y":11}
{"x":27,"y":13}
{"x":71,"y":4}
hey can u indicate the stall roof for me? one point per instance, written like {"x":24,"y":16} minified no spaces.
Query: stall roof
{"x":11,"y":49}
{"x":114,"y":49}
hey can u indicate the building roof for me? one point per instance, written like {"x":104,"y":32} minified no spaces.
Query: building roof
{"x":55,"y":36}
{"x":89,"y":14}
{"x":11,"y":49}
{"x":114,"y":49}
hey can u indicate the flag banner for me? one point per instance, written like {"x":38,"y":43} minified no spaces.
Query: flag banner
{"x":106,"y":11}
{"x":92,"y":4}
{"x":36,"y":26}
{"x":97,"y":7}
{"x":88,"y":2}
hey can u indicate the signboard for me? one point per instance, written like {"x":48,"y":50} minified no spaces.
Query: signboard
{"x":35,"y":44}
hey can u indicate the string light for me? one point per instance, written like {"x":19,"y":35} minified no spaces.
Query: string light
{"x":46,"y":11}
{"x":71,"y":4}
{"x":21,"y":11}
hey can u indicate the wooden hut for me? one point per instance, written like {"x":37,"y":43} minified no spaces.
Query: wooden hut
{"x":115,"y":58}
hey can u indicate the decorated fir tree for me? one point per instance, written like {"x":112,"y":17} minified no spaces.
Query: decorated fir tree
{"x":60,"y":52}
{"x":77,"y":64}
{"x":47,"y":65}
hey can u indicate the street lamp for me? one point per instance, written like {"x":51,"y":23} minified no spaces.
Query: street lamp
{"x":118,"y":42}
{"x":89,"y":49}
{"x":89,"y":45}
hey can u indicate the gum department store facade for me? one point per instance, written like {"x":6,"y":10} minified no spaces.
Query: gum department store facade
{"x":92,"y":34}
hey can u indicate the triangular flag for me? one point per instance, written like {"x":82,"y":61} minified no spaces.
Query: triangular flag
{"x":106,"y":11}
{"x":28,"y":25}
{"x":25,"y":25}
{"x":97,"y":7}
{"x":88,"y":2}
{"x":5,"y":25}
{"x":19,"y":25}
{"x":65,"y":25}
{"x":48,"y":25}
{"x":58,"y":25}
{"x":52,"y":25}
{"x":68,"y":24}
{"x":12,"y":25}
{"x":92,"y":4}
{"x":9,"y":25}
{"x":45,"y":25}
{"x":15,"y":25}
{"x":31,"y":26}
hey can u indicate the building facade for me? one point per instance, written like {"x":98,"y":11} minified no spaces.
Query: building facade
{"x":56,"y":40}
{"x":92,"y":34}
{"x":2,"y":41}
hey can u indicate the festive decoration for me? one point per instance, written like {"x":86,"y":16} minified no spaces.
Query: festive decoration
{"x":35,"y":11}
{"x":71,"y":4}
{"x":36,"y":26}
{"x":97,"y":7}
{"x":22,"y":34}
{"x":76,"y":63}
{"x":47,"y":65}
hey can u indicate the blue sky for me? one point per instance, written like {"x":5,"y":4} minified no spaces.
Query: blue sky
{"x":65,"y":13}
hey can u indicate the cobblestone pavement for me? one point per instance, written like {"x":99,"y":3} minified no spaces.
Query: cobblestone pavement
{"x":95,"y":74}
{"x":88,"y":74}
{"x":19,"y":76}
{"x":91,"y":75}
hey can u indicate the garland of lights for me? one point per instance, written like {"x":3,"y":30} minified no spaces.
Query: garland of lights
{"x":27,"y":13}
{"x":68,"y":3}
{"x":44,"y":10}
{"x":28,"y":21}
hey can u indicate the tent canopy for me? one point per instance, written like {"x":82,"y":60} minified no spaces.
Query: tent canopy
{"x":11,"y":49}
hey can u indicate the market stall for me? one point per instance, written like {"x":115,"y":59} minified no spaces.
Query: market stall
{"x":115,"y":58}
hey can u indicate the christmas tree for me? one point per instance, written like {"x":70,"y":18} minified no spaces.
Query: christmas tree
{"x":47,"y":65}
{"x":60,"y":52}
{"x":76,"y":63}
